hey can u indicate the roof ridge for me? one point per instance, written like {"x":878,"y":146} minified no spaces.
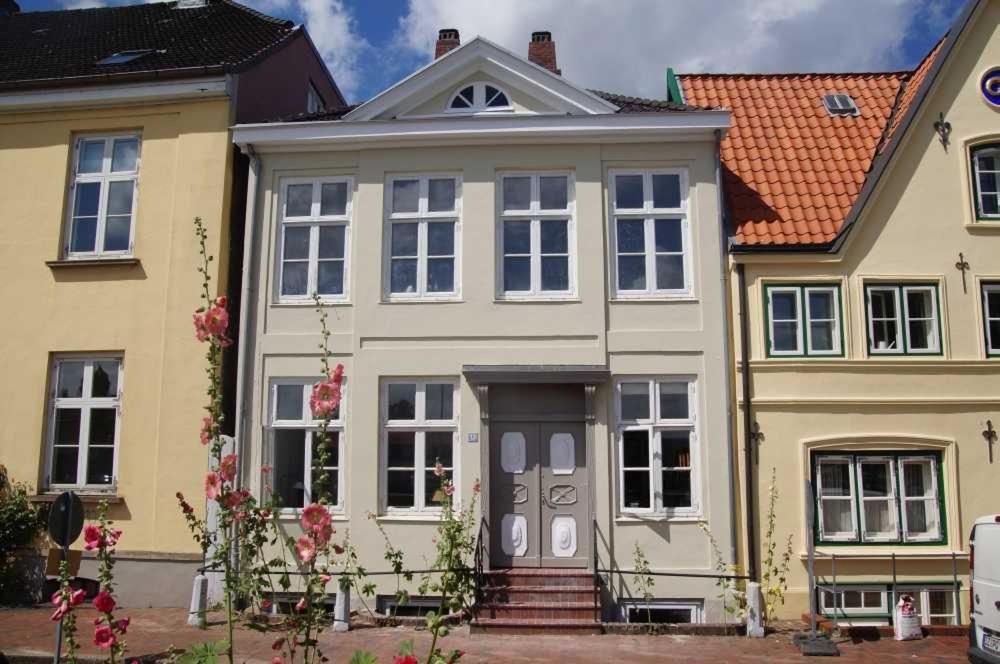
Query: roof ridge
{"x":258,"y":14}
{"x":815,"y":74}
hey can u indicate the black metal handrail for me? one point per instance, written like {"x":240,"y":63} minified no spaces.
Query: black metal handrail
{"x":479,"y":558}
{"x":598,"y":595}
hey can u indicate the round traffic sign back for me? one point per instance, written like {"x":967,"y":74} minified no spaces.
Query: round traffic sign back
{"x":66,"y":518}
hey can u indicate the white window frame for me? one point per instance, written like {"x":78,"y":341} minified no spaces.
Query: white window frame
{"x":104,"y":178}
{"x":851,"y":499}
{"x":478,"y":100}
{"x":882,"y":611}
{"x":421,"y":217}
{"x":535,"y":215}
{"x":696,"y":607}
{"x":935,"y":498}
{"x":420,"y":425}
{"x":992,"y":345}
{"x":903,"y":345}
{"x":648,"y":214}
{"x":85,"y":404}
{"x":985,"y":150}
{"x":314,"y":100}
{"x":834,"y":293}
{"x":892,"y":498}
{"x":311,"y":427}
{"x":925,"y":604}
{"x":313,"y":221}
{"x":799,"y":314}
{"x":655,"y":425}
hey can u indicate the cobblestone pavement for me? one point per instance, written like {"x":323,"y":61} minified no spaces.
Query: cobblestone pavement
{"x":29,"y":632}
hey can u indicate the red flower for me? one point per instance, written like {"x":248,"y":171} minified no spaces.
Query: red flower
{"x":104,"y":637}
{"x":62,"y":610}
{"x":92,"y":537}
{"x":104,"y":602}
{"x":227,"y":467}
{"x":76,"y":597}
{"x":408,"y":659}
{"x":123,"y":624}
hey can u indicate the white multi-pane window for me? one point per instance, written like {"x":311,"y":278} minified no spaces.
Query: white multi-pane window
{"x":314,"y":242}
{"x":101,"y":215}
{"x":657,"y":445}
{"x":803,"y":320}
{"x":991,"y":317}
{"x":536,"y":236}
{"x":650,"y":234}
{"x":935,"y":604}
{"x":986,"y":181}
{"x":479,"y":97}
{"x":85,"y":419}
{"x":422,"y":237}
{"x":295,"y":447}
{"x":870,"y":603}
{"x":863,"y":601}
{"x":903,"y":319}
{"x":419,"y":431}
{"x":874,"y":498}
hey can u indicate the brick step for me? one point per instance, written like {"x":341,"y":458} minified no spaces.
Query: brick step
{"x":537,"y":610}
{"x":539,"y":577}
{"x":497,"y":594}
{"x":534,"y":626}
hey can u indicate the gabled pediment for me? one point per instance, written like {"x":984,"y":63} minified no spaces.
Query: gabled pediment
{"x":474,"y":79}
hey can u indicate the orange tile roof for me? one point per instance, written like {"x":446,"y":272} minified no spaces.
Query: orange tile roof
{"x":791,"y":170}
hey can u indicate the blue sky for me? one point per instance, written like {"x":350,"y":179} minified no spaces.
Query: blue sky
{"x":622,"y":46}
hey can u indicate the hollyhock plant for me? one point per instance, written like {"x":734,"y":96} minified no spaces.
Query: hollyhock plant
{"x":227,"y":467}
{"x":213,"y":485}
{"x":315,"y":518}
{"x":104,"y":637}
{"x":104,"y":602}
{"x":207,"y":427}
{"x":306,"y":548}
{"x":91,"y":537}
{"x":62,"y":609}
{"x":326,"y":394}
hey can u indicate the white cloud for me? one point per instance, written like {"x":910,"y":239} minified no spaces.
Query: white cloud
{"x":626,"y":46}
{"x":83,"y":4}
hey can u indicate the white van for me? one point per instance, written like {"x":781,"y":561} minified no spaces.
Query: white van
{"x":984,"y":587}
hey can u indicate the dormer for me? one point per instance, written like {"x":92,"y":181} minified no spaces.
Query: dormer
{"x":480,"y":97}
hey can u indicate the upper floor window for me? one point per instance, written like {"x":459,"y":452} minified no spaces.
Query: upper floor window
{"x":803,"y":320}
{"x":102,"y":196}
{"x":315,"y":231}
{"x":314,"y":100}
{"x":85,"y":412}
{"x":296,"y":447}
{"x":537,"y":235}
{"x":903,"y":319}
{"x":878,"y":497}
{"x":650,"y":233}
{"x":985,"y":176}
{"x":420,"y":427}
{"x":991,"y":317}
{"x":479,"y":97}
{"x":422,"y":236}
{"x":657,"y":445}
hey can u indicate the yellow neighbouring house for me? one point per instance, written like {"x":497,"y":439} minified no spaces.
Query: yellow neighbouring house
{"x":865,"y":279}
{"x":114,"y":135}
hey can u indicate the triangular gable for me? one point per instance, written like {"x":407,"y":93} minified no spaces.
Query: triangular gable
{"x":481,"y":56}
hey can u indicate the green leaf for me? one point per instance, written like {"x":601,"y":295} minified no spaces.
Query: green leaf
{"x":363,"y":657}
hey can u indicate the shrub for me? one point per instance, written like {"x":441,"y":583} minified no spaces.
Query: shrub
{"x":20,"y":525}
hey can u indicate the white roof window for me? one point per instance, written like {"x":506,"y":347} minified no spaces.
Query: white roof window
{"x":479,"y":98}
{"x":840,"y":103}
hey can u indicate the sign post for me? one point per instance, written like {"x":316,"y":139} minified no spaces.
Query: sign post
{"x":65,"y":526}
{"x":810,"y":643}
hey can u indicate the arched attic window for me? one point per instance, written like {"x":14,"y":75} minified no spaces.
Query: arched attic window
{"x":479,"y":97}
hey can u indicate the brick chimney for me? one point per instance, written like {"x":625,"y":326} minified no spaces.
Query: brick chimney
{"x":8,"y":8}
{"x":542,"y":51}
{"x":447,"y":41}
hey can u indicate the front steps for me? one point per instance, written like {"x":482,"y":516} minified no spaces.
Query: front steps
{"x":538,"y":601}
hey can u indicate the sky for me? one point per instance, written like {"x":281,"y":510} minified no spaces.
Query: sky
{"x":621,"y":46}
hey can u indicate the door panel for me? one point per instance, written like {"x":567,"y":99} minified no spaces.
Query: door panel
{"x":564,"y":495}
{"x":514,"y":504}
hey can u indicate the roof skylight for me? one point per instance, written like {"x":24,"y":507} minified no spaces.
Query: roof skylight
{"x":840,"y":104}
{"x":121,"y":57}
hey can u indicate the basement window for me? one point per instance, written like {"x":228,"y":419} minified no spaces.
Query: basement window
{"x":122,"y":57}
{"x":840,"y":104}
{"x":414,"y":607}
{"x":661,"y":612}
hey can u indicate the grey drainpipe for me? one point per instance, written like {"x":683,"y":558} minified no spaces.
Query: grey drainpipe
{"x":747,"y":423}
{"x":723,"y":263}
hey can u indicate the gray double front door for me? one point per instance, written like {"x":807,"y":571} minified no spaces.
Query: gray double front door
{"x":539,"y":493}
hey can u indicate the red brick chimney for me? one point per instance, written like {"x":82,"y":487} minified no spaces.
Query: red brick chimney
{"x":542,"y":51}
{"x":447,"y":41}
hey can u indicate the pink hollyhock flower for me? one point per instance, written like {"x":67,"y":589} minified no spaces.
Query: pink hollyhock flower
{"x":325,"y":578}
{"x":60,"y":611}
{"x":315,"y":518}
{"x":277,"y":660}
{"x":300,"y":606}
{"x":213,"y":485}
{"x":408,"y":659}
{"x":277,"y":644}
{"x":265,"y":604}
{"x":476,"y":487}
{"x":76,"y":597}
{"x":266,"y":468}
{"x":227,"y":467}
{"x":104,"y":637}
{"x":439,"y":469}
{"x":111,"y":539}
{"x":232,"y":499}
{"x":57,"y":597}
{"x":338,"y":549}
{"x":207,"y":424}
{"x":326,"y":394}
{"x":306,"y":549}
{"x":324,"y":535}
{"x":104,"y":602}
{"x":449,"y":489}
{"x":92,"y":537}
{"x":122,"y":625}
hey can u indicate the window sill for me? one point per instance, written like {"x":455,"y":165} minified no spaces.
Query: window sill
{"x":295,"y":514}
{"x":983,"y":226}
{"x":537,"y":299}
{"x":660,"y":518}
{"x":423,"y":300}
{"x":93,"y":262}
{"x":86,"y":497}
{"x":297,"y":304}
{"x":639,"y":299}
{"x":422,"y":517}
{"x":912,"y":550}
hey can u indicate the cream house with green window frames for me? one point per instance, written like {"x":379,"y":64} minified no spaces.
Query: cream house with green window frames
{"x":534,"y":303}
{"x":871,"y":360}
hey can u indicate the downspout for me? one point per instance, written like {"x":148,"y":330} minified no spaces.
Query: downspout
{"x":723,"y":263}
{"x":245,"y":350}
{"x":747,"y":423}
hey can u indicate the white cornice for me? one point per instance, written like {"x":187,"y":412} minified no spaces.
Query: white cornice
{"x":122,"y":93}
{"x":610,"y":128}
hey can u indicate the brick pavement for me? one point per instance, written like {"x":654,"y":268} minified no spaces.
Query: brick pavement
{"x":29,"y":632}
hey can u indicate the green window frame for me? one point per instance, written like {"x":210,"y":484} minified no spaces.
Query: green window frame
{"x":899,"y":314}
{"x":816,"y":333}
{"x":991,"y":318}
{"x":850,"y":488}
{"x":985,"y":163}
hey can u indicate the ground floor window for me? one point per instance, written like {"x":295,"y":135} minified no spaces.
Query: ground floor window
{"x":662,"y":611}
{"x":874,"y":603}
{"x":413,"y":607}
